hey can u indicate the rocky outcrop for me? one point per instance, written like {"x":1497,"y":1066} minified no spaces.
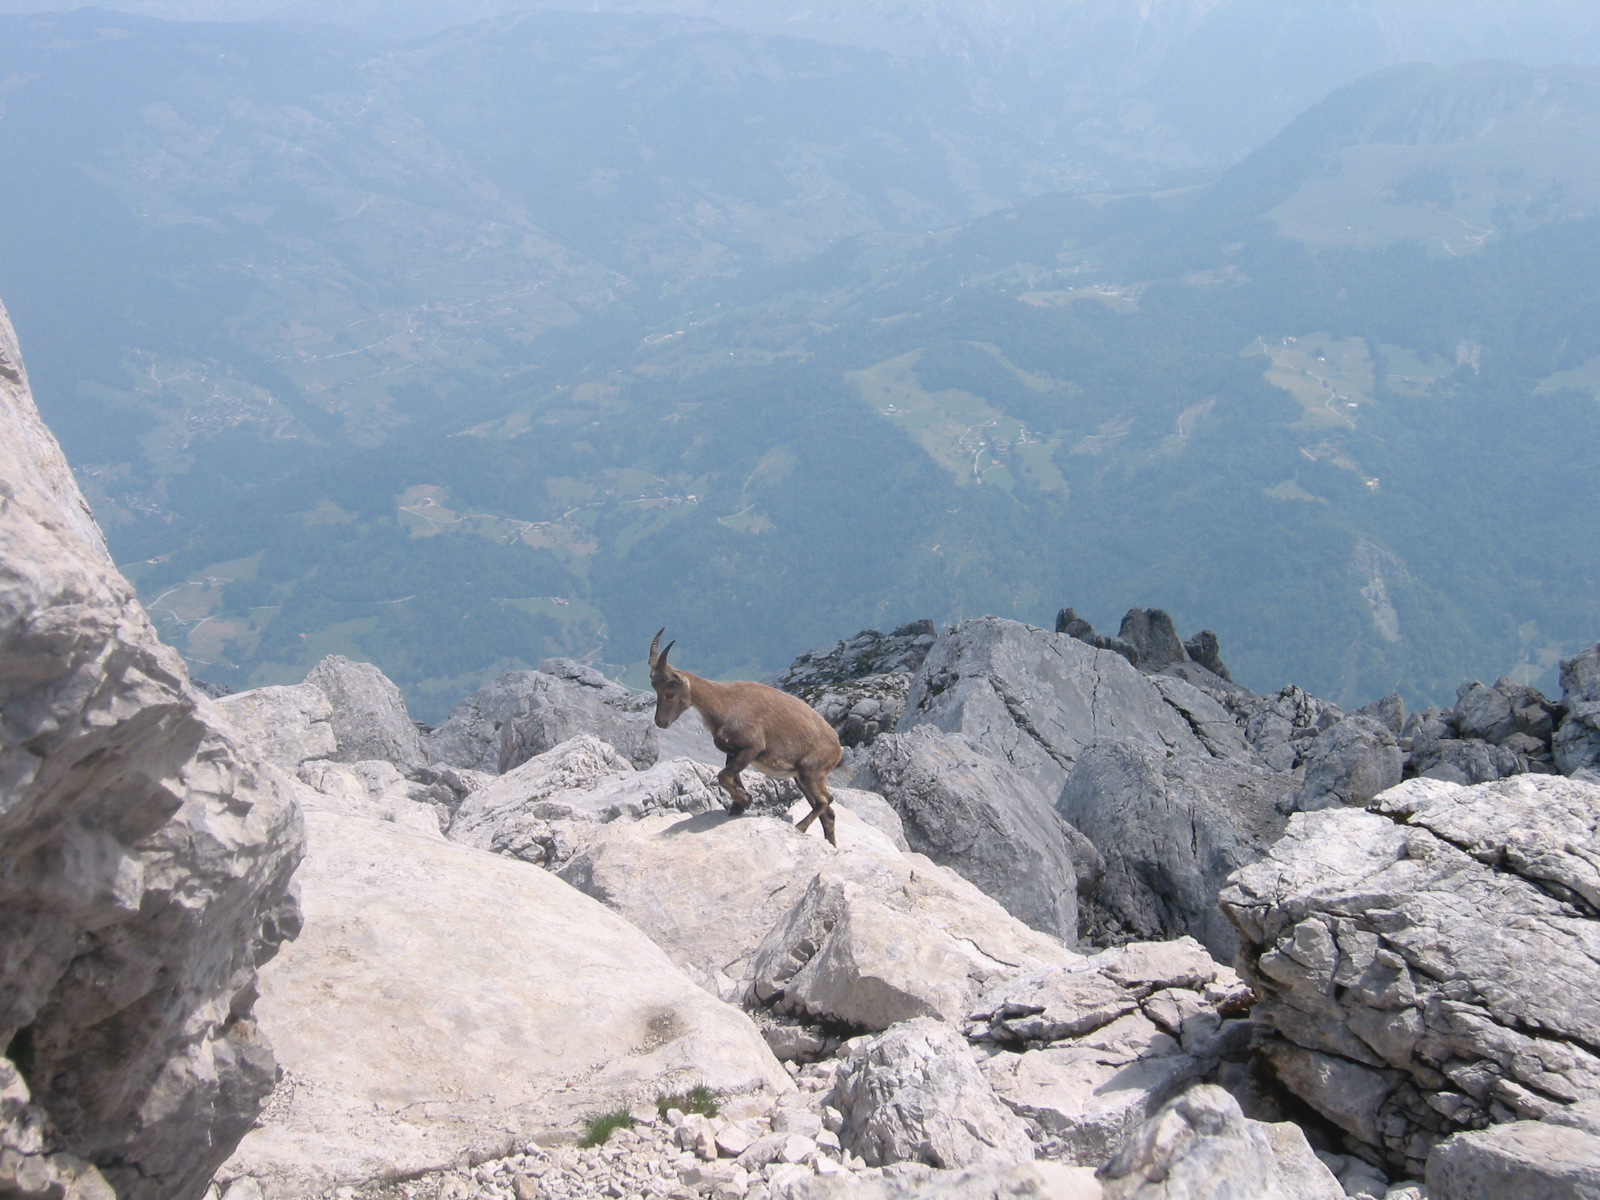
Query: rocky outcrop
{"x":525,"y":713}
{"x":1149,"y":641}
{"x":914,"y":1094}
{"x":1170,"y":831}
{"x":369,"y":718}
{"x":981,"y":818}
{"x":859,"y":685}
{"x":285,"y":726}
{"x":1398,"y":1005}
{"x":444,"y":1005}
{"x":1037,"y":699}
{"x":1202,"y":1147}
{"x":1576,"y":745}
{"x":875,"y":940}
{"x":1349,"y":764}
{"x":1093,"y":1049}
{"x":1554,"y":1159}
{"x":144,"y":864}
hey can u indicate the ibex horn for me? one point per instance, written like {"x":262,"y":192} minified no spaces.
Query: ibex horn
{"x":662,"y":661}
{"x":655,"y":645}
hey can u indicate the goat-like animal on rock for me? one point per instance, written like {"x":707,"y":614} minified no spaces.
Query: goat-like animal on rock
{"x":755,"y":726}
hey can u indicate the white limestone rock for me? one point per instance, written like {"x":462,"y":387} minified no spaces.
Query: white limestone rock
{"x":915,"y":1094}
{"x":369,"y":718}
{"x":444,"y":1005}
{"x":1201,"y":1147}
{"x":1428,"y":966}
{"x":285,"y":726}
{"x":874,"y":940}
{"x":144,"y":861}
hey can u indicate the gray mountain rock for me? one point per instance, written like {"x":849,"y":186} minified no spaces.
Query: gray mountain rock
{"x":874,"y":940}
{"x":1463,"y":760}
{"x":1096,"y":1048}
{"x":144,"y":864}
{"x":1037,"y":699}
{"x":1555,"y":1159}
{"x":1202,"y":1147}
{"x":915,"y":1094}
{"x":285,"y":726}
{"x":1279,"y":727}
{"x":1377,"y":940}
{"x":1348,"y":764}
{"x":525,"y":713}
{"x":859,"y":685}
{"x":1576,"y":744}
{"x":1496,"y":713}
{"x":980,"y":817}
{"x":1171,"y":830}
{"x":369,"y":718}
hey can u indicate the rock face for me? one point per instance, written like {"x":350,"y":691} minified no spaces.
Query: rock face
{"x":1556,"y":1159}
{"x":369,"y":718}
{"x":1093,"y":1049}
{"x":525,"y":713}
{"x":1401,"y":1006}
{"x":876,"y":940}
{"x":1171,"y":830}
{"x":981,"y":818}
{"x":1201,"y":1147}
{"x":1577,"y":742}
{"x":859,"y":685}
{"x":286,"y":726}
{"x":443,"y":1004}
{"x":144,"y":861}
{"x":1349,"y":763}
{"x":1037,"y":699}
{"x":914,"y":1094}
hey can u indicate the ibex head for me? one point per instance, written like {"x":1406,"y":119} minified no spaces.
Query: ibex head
{"x":672,"y":689}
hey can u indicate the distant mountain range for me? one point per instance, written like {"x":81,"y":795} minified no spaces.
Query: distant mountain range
{"x":529,"y":336}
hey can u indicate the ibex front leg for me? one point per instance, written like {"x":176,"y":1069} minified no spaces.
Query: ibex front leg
{"x":728,"y":777}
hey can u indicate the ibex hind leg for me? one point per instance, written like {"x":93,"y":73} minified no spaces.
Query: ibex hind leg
{"x":816,"y":791}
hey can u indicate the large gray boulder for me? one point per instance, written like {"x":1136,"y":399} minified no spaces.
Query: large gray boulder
{"x":1170,"y":830}
{"x":1429,"y":966}
{"x":369,"y":718}
{"x":444,"y":1005}
{"x":914,"y":1093}
{"x":1554,"y":1159}
{"x":1202,"y":1147}
{"x":285,"y":726}
{"x":1502,"y":711}
{"x":525,"y":713}
{"x":1280,"y":727}
{"x":144,"y":863}
{"x":1095,"y":1048}
{"x":1038,"y":699}
{"x":875,"y":940}
{"x":1349,"y":764}
{"x":1577,"y":743}
{"x":983,"y":819}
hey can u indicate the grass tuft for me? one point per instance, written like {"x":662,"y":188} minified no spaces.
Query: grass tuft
{"x":602,"y":1125}
{"x":698,"y":1099}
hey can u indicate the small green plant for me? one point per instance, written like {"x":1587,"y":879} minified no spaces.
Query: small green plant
{"x":698,"y":1099}
{"x":602,"y":1125}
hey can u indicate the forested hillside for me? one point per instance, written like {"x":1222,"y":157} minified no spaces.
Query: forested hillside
{"x":531,"y":336}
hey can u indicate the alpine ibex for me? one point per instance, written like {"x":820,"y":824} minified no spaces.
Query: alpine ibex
{"x":755,"y":726}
